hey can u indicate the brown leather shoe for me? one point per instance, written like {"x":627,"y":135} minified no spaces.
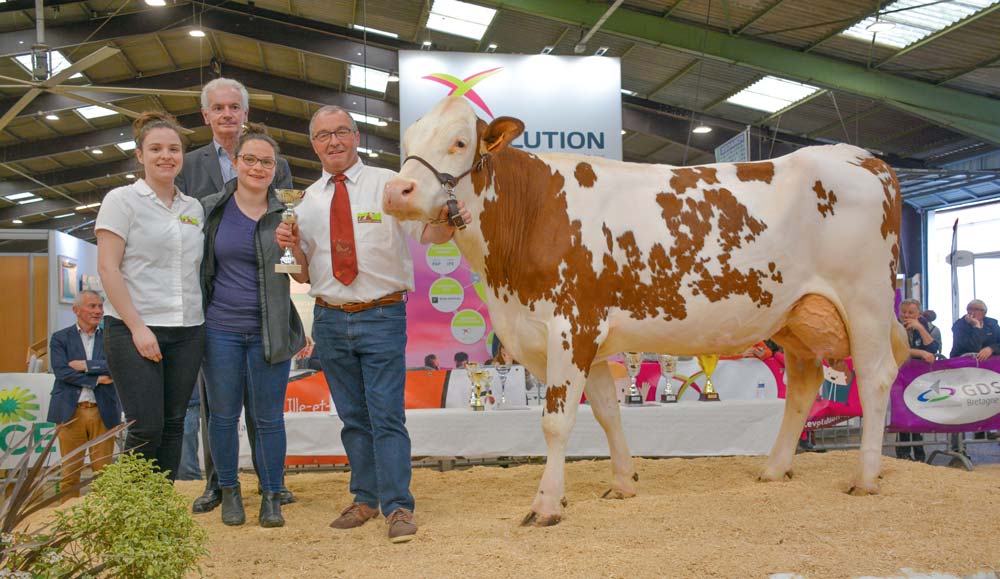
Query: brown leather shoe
{"x":354,"y":516}
{"x":401,"y":526}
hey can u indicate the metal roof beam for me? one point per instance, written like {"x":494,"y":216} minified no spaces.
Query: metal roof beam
{"x":809,"y":68}
{"x":756,"y":17}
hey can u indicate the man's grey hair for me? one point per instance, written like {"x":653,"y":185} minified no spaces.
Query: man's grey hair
{"x":78,"y":301}
{"x":977,"y":303}
{"x":224,"y":83}
{"x":331,"y":110}
{"x":910,"y":302}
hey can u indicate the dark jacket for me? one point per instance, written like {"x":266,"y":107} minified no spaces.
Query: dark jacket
{"x":917,"y":342}
{"x":970,"y":340}
{"x":281,"y":329}
{"x":201,"y":174}
{"x":64,"y":346}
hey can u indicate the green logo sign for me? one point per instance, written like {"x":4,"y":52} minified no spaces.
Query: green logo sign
{"x":16,"y":405}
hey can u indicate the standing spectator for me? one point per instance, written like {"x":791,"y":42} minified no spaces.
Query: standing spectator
{"x":83,"y":394}
{"x":461,"y":359}
{"x":253,"y":329}
{"x":925,"y":343}
{"x":360,"y":271}
{"x":149,"y":248}
{"x":225,"y":107}
{"x":975,"y":334}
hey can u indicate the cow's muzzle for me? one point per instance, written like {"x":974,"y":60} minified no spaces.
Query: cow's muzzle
{"x":448,"y":183}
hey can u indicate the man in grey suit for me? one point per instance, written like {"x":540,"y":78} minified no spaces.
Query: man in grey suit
{"x":225,"y":106}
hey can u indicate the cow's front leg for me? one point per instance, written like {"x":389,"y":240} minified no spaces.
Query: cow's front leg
{"x":603,"y":401}
{"x":564,"y":387}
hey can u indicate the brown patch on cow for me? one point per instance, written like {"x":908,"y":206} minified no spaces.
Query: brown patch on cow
{"x":814,"y":330}
{"x":827,"y":199}
{"x":555,"y":398}
{"x":688,"y":177}
{"x":775,"y":275}
{"x":755,"y":171}
{"x":585,"y":175}
{"x":892,"y":207}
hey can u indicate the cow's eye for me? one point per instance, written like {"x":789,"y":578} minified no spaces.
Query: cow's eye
{"x":460,"y":144}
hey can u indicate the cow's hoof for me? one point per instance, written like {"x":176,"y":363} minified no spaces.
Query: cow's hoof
{"x":770,"y":477}
{"x":858,"y":490}
{"x":529,"y":518}
{"x":536,"y":520}
{"x":616,"y":494}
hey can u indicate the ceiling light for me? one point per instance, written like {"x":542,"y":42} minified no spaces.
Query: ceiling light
{"x":702,"y":129}
{"x":460,"y":18}
{"x":126,"y":145}
{"x":364,"y":150}
{"x":367,"y":78}
{"x":628,"y":92}
{"x":57,"y":62}
{"x":373,"y":154}
{"x":94,"y":112}
{"x":197,"y":33}
{"x":624,"y":131}
{"x":17,"y":222}
{"x":374,"y":31}
{"x":771,"y":94}
{"x":369,"y":120}
{"x":425,"y":45}
{"x":491,"y":48}
{"x":393,"y":77}
{"x":130,"y":176}
{"x":548,"y":49}
{"x":63,"y":216}
{"x":156,"y":2}
{"x":97,"y":151}
{"x":52,"y":117}
{"x":90,"y":206}
{"x":17,"y":196}
{"x":28,"y":201}
{"x":601,"y":51}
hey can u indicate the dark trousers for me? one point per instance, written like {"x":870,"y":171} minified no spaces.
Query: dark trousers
{"x":905,"y":451}
{"x":155,"y":395}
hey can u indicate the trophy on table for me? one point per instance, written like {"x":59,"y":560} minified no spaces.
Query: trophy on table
{"x":668,"y":366}
{"x":633,"y":363}
{"x":708,"y":363}
{"x":502,"y":371}
{"x":290,"y":198}
{"x":476,"y":391}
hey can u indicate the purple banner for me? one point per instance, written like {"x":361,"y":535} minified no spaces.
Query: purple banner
{"x":956,"y":395}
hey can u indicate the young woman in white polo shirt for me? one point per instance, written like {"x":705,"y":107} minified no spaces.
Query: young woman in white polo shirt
{"x":149,"y":252}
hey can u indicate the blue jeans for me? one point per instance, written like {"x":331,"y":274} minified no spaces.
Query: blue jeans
{"x":364,"y":361}
{"x":190,"y":468}
{"x":234,"y":364}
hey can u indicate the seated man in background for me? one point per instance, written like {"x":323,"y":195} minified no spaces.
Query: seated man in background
{"x":975,"y":334}
{"x":431,"y":362}
{"x":83,"y":391}
{"x":925,"y":343}
{"x":461,"y":359}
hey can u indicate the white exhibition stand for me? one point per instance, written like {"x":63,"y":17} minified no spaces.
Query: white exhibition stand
{"x":729,"y":427}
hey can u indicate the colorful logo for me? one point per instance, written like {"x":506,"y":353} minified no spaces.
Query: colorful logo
{"x":463,"y":87}
{"x":933,"y":394}
{"x":15,"y":404}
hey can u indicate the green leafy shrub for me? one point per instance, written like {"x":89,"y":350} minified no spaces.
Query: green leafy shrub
{"x":135,"y":523}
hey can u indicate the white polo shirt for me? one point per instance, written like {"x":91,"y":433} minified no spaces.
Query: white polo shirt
{"x":86,"y":394}
{"x":384,"y":262}
{"x":163,"y":250}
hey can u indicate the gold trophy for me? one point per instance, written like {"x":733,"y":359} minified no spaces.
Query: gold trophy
{"x":290,"y":198}
{"x":633,"y":363}
{"x":668,"y":366}
{"x":708,"y":364}
{"x":476,"y":390}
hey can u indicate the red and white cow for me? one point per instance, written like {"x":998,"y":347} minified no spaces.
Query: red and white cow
{"x":584,"y":257}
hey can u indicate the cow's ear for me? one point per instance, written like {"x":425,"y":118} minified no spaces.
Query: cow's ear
{"x":500,"y":133}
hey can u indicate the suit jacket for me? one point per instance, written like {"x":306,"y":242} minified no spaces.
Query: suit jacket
{"x":66,"y":345}
{"x":201,"y":175}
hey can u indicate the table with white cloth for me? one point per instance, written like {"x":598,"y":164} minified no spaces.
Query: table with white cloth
{"x":729,"y":427}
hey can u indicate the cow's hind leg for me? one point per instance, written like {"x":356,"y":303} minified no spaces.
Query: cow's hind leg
{"x":601,"y":394}
{"x":813,"y":332}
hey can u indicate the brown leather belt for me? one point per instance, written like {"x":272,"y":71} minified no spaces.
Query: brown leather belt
{"x":87,"y":405}
{"x":353,"y":307}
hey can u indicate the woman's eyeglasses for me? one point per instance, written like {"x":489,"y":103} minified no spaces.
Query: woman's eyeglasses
{"x":265,"y":162}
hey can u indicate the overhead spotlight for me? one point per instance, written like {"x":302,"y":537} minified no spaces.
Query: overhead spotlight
{"x":393,"y":77}
{"x":425,"y":45}
{"x":580,"y":48}
{"x":156,"y":2}
{"x":601,"y":51}
{"x":880,"y":26}
{"x":52,"y":117}
{"x":702,"y":129}
{"x":197,"y":33}
{"x":548,"y":49}
{"x":17,"y":222}
{"x":491,"y":48}
{"x":130,"y":176}
{"x":97,"y":151}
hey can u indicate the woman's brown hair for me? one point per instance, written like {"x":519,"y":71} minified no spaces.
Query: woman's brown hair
{"x":150,"y":120}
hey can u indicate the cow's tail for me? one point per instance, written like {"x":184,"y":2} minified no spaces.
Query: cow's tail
{"x":900,"y":343}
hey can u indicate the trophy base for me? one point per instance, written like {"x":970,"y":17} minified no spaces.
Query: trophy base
{"x":478,"y":407}
{"x":633,"y":400}
{"x":668,"y":398}
{"x":288,"y":268}
{"x":709,"y":397}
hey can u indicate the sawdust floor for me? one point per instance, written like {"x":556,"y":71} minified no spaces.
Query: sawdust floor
{"x":704,"y":517}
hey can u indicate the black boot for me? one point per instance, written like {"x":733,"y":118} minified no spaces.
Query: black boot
{"x":232,"y":506}
{"x":270,"y":510}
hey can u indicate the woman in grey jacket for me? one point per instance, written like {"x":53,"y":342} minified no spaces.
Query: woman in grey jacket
{"x":253,"y":330}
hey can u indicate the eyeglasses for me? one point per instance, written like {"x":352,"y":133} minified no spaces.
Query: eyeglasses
{"x":265,"y":162}
{"x":341,"y":134}
{"x":975,"y":310}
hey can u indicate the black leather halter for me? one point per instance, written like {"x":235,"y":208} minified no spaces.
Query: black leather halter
{"x":448,"y":183}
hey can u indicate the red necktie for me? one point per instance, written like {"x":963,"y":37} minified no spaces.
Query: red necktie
{"x":342,"y":250}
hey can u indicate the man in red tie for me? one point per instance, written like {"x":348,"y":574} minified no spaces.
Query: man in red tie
{"x":358,"y":264}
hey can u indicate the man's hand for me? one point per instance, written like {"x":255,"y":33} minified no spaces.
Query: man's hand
{"x":287,"y":235}
{"x":105,"y":380}
{"x":984,"y":353}
{"x":975,"y":323}
{"x":78,"y":365}
{"x":466,"y":216}
{"x":927,"y":356}
{"x":912,"y":324}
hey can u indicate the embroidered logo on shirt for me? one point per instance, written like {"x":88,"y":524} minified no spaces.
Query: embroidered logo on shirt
{"x":189,"y":220}
{"x":369,"y":217}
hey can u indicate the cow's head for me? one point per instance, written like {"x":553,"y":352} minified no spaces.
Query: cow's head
{"x":447,"y":144}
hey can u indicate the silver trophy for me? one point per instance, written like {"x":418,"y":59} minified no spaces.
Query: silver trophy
{"x":290,"y":198}
{"x":633,"y":363}
{"x":502,"y":371}
{"x":668,"y":367}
